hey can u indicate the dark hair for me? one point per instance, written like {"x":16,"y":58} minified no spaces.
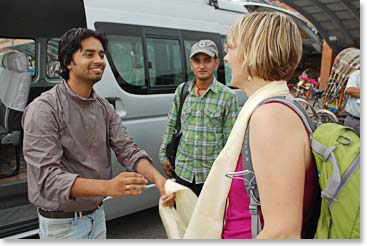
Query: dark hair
{"x":70,"y":42}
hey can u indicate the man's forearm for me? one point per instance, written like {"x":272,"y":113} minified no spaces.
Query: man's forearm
{"x":124,"y":184}
{"x":83,"y":187}
{"x":145,"y":168}
{"x":353,"y":91}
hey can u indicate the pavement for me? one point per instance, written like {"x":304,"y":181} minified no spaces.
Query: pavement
{"x":145,"y":224}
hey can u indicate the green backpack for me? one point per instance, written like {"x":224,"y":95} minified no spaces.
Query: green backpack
{"x":336,"y":150}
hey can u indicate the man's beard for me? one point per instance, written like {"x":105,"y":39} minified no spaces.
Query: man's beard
{"x":96,"y":78}
{"x":203,"y":77}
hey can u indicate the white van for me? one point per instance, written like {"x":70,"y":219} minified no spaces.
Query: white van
{"x":147,"y":57}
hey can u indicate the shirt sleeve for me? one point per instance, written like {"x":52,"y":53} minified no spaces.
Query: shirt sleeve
{"x":230,"y":116}
{"x":43,"y":152}
{"x":171,"y":123}
{"x":127,"y":151}
{"x":354,"y":80}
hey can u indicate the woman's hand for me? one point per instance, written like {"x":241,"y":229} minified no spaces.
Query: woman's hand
{"x":168,"y":201}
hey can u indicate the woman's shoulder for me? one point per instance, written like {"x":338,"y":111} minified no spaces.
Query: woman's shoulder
{"x":272,"y":111}
{"x":276,"y":117}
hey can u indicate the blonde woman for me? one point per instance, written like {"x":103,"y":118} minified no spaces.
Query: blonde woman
{"x":264,"y":48}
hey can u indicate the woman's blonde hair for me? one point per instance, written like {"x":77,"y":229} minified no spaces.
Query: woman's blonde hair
{"x":269,"y":44}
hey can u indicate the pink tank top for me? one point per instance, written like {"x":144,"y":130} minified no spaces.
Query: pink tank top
{"x":238,"y":218}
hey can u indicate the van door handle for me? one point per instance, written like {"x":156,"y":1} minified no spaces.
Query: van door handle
{"x":112,"y":100}
{"x":118,"y":105}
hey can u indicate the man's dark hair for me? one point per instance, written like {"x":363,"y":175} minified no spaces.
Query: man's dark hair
{"x":70,"y":43}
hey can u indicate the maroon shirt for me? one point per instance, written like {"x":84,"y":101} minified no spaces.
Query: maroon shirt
{"x":66,"y":136}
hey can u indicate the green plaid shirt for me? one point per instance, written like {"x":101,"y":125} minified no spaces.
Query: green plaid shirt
{"x":206,"y":123}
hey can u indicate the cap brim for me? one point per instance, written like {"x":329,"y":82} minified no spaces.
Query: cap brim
{"x":208,"y":52}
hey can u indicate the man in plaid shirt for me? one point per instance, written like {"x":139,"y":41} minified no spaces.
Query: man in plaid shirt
{"x":208,"y":115}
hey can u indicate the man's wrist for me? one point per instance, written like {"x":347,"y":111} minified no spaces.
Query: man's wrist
{"x":104,"y":187}
{"x":159,"y":181}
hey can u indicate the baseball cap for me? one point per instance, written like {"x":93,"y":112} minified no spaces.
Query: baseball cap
{"x":204,"y":46}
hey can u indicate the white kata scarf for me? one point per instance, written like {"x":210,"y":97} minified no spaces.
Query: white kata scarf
{"x":202,"y":218}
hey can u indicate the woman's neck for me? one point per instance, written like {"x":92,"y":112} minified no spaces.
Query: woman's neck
{"x":250,"y":86}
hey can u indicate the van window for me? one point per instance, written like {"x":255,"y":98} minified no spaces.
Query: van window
{"x":227,"y":69}
{"x":127,"y":55}
{"x":164,"y":62}
{"x":53,"y":64}
{"x":26,"y":46}
{"x":188,"y":44}
{"x":152,"y":60}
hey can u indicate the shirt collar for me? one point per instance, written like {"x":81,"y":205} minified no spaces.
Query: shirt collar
{"x":213,"y":86}
{"x":77,"y":97}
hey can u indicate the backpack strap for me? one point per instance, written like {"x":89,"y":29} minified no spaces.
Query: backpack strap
{"x":249,"y":174}
{"x":183,"y":94}
{"x":328,"y":154}
{"x":251,"y":186}
{"x":294,"y":104}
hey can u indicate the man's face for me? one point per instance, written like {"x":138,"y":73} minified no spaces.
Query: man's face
{"x":203,"y":66}
{"x":88,"y":63}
